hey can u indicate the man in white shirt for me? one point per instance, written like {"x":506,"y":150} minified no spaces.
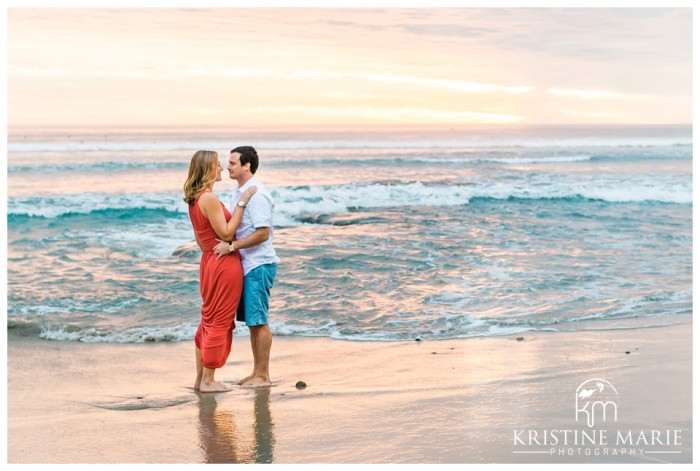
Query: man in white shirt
{"x":254,"y":241}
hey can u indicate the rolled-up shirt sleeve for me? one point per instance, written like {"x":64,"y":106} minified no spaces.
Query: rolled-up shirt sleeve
{"x":260,"y":209}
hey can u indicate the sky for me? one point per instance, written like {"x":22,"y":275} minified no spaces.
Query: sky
{"x":351,"y":66}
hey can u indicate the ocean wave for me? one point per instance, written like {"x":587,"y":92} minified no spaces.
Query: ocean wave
{"x":351,"y":141}
{"x":530,"y":160}
{"x":305,"y":200}
{"x":380,"y":159}
{"x":634,"y":314}
{"x":408,"y":161}
{"x":185,"y":332}
{"x":658,"y":305}
{"x":652,"y":310}
{"x":111,"y":306}
{"x":51,"y":207}
{"x":98,"y":167}
{"x":177,"y":333}
{"x":669,"y":304}
{"x":329,"y":161}
{"x":293,"y":204}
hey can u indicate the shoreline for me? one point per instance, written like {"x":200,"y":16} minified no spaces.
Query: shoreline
{"x":434,"y":401}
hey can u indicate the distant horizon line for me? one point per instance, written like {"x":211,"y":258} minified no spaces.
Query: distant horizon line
{"x":11,"y":128}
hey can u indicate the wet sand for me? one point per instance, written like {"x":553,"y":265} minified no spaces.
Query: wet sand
{"x":454,"y":401}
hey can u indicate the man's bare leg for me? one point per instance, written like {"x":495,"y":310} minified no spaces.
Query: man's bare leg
{"x":198,"y":360}
{"x":261,"y":357}
{"x":255,"y":358}
{"x":209,"y":384}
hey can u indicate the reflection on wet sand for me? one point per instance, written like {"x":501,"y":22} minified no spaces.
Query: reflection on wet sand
{"x":224,"y":442}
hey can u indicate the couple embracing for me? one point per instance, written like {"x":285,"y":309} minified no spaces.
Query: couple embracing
{"x":238,"y":264}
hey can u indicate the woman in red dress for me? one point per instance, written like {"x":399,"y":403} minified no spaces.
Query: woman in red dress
{"x":220,"y":278}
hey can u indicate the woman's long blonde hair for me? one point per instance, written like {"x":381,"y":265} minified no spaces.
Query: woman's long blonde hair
{"x":201,"y":175}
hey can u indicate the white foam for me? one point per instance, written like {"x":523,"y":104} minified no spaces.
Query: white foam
{"x":176,"y":333}
{"x":85,"y":203}
{"x":679,"y":193}
{"x":447,"y":326}
{"x":293,"y":202}
{"x":630,"y":309}
{"x":74,"y":306}
{"x":144,"y":240}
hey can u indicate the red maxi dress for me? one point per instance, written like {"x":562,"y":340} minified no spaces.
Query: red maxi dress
{"x":221,"y":284}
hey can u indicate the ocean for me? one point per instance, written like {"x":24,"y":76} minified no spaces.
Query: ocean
{"x":384,"y":233}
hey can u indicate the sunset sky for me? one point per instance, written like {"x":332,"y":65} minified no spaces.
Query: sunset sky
{"x":282,"y":66}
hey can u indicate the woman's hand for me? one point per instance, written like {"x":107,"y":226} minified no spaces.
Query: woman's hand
{"x":245,"y":197}
{"x":221,"y":248}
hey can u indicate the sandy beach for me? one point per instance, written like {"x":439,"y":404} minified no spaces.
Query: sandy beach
{"x":453,"y":401}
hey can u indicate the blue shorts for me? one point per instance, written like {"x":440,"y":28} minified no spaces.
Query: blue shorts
{"x":255,"y":299}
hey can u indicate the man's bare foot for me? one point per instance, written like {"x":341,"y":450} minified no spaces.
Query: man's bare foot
{"x":245,"y":380}
{"x":214,"y":387}
{"x":257,"y":383}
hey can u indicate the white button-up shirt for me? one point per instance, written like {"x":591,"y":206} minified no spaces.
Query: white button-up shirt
{"x":258,"y":213}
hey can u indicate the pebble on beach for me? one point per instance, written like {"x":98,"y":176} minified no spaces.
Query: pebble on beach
{"x":300,"y":385}
{"x":520,"y":339}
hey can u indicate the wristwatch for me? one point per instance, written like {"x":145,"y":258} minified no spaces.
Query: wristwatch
{"x":231,"y":247}
{"x":241,"y":204}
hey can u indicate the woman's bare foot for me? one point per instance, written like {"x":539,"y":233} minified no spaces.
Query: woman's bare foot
{"x":214,"y":387}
